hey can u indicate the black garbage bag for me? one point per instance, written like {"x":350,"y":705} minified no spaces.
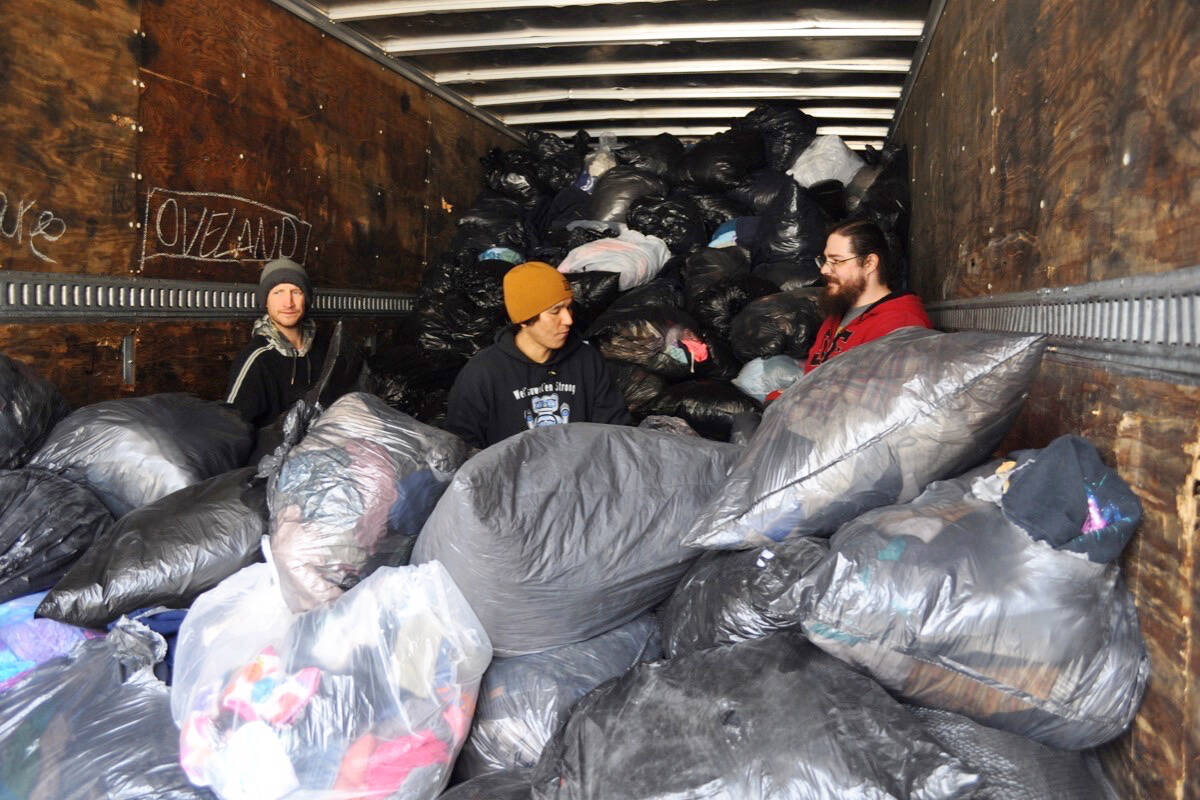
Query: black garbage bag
{"x":657,"y":154}
{"x":679,"y":222}
{"x":729,"y":597}
{"x":523,"y":699}
{"x":546,"y":145}
{"x":165,"y":553}
{"x":46,"y":522}
{"x":617,"y":189}
{"x":408,"y":380}
{"x":1013,"y":767}
{"x":562,"y":533}
{"x":711,"y":265}
{"x":716,"y":306}
{"x":831,"y":197}
{"x":640,"y":387}
{"x":461,"y":307}
{"x":720,"y":162}
{"x":885,"y":201}
{"x":784,"y":323}
{"x":771,"y":718}
{"x":665,"y":424}
{"x":594,"y":292}
{"x":136,"y":450}
{"x":95,"y":723}
{"x":567,"y":206}
{"x":759,"y":190}
{"x":793,"y":228}
{"x":513,"y":173}
{"x":658,"y":292}
{"x":29,"y":407}
{"x":709,"y":406}
{"x":508,"y":785}
{"x":660,"y":338}
{"x":791,"y":275}
{"x":785,"y":128}
{"x":491,"y":222}
{"x":714,"y":208}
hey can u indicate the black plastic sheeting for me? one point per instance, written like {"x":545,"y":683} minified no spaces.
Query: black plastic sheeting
{"x":720,"y":162}
{"x":737,"y":596}
{"x":784,"y":323}
{"x":678,"y":222}
{"x":792,"y":228}
{"x":772,"y":718}
{"x":461,"y":308}
{"x":709,"y":406}
{"x":95,"y":723}
{"x":46,"y":522}
{"x":29,"y":408}
{"x":618,"y":189}
{"x":640,"y":387}
{"x":514,"y":174}
{"x":653,"y":154}
{"x":166,"y":553}
{"x":785,"y":128}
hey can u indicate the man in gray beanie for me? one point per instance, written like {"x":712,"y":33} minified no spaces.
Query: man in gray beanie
{"x":284,"y":357}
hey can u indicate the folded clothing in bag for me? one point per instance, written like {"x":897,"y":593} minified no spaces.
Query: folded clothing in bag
{"x":136,"y":450}
{"x":950,"y":605}
{"x":560,"y":534}
{"x":353,"y":495}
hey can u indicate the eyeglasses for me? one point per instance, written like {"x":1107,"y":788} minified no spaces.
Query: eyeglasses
{"x":822,"y":260}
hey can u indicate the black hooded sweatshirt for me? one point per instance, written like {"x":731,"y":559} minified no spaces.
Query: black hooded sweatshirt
{"x":501,"y":392}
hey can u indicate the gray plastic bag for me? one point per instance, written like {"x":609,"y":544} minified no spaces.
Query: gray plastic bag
{"x":869,"y":428}
{"x":949,"y":605}
{"x":524,"y":699}
{"x":773,"y":718}
{"x":136,"y":450}
{"x":29,"y":408}
{"x":559,"y":534}
{"x":493,"y":786}
{"x":729,"y":597}
{"x":353,"y":495}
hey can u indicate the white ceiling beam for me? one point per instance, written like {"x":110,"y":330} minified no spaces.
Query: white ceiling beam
{"x":374,"y":9}
{"x":654,"y":34}
{"x":673,"y":67}
{"x":689,"y":93}
{"x":681,"y":112}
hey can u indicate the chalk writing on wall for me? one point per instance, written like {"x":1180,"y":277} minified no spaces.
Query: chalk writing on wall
{"x":208,"y":226}
{"x":21,"y":223}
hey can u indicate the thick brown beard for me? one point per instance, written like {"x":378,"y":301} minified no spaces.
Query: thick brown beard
{"x":835,"y":303}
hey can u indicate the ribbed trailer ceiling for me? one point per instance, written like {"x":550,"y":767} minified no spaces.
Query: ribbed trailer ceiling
{"x":636,"y":68}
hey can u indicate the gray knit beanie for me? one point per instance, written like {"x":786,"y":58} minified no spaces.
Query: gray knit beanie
{"x":283,"y":270}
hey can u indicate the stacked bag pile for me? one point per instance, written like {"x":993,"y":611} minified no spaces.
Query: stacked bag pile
{"x":692,"y":268}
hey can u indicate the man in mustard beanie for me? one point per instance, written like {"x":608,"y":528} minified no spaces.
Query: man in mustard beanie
{"x":539,"y":372}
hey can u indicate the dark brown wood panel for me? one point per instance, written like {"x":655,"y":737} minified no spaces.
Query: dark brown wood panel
{"x":68,"y":118}
{"x":1150,"y":432}
{"x":1053,"y":144}
{"x":245,"y":99}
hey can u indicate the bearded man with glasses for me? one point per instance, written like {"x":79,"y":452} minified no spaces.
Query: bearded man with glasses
{"x":857,"y":302}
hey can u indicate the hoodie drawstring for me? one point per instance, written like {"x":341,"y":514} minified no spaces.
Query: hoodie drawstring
{"x":294,"y":355}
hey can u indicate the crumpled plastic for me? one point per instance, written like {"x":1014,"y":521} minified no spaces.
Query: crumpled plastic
{"x":653,"y":154}
{"x":635,"y":257}
{"x":721,"y":161}
{"x":677,"y":221}
{"x":780,"y":323}
{"x":370,"y":696}
{"x":29,"y":408}
{"x":785,"y":128}
{"x":872,"y":427}
{"x":559,"y":534}
{"x":950,"y":605}
{"x":708,"y":406}
{"x":618,"y":189}
{"x":826,"y":159}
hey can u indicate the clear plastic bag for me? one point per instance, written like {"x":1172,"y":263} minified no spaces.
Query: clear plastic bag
{"x":635,"y":257}
{"x":761,"y":376}
{"x":826,"y":159}
{"x":368,"y":697}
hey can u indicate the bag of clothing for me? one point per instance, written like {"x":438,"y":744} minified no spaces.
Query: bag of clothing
{"x":368,"y":696}
{"x":762,"y":377}
{"x":653,"y":154}
{"x":759,"y":191}
{"x":660,"y":338}
{"x":708,"y":406}
{"x":716,"y":306}
{"x":165,"y":553}
{"x":523,"y":699}
{"x":733,"y":597}
{"x":508,"y":785}
{"x":793,"y":228}
{"x":640,"y":387}
{"x":593,"y":293}
{"x":491,"y":222}
{"x":29,"y":407}
{"x":709,"y":266}
{"x":869,"y":428}
{"x":635,"y":257}
{"x":789,"y":275}
{"x":715,"y":209}
{"x":560,"y":534}
{"x":780,"y":323}
{"x":619,"y":188}
{"x":665,"y":424}
{"x":1013,"y":767}
{"x":46,"y":522}
{"x":720,"y":162}
{"x":353,"y":495}
{"x":826,"y":159}
{"x":460,"y":308}
{"x":136,"y":450}
{"x":785,"y":128}
{"x":771,"y":718}
{"x":26,"y":642}
{"x":678,"y":222}
{"x":950,"y":605}
{"x":514,"y":174}
{"x":94,"y":723}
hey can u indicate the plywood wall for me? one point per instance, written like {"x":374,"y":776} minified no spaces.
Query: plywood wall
{"x":192,"y":140}
{"x":1055,"y":143}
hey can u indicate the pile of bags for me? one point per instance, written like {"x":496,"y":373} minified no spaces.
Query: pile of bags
{"x":711,"y":245}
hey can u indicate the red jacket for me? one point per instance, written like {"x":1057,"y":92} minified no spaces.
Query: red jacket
{"x":880,"y":319}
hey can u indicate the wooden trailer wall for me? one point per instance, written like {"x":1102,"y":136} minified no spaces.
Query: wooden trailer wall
{"x":1056,"y":143}
{"x":180,"y":139}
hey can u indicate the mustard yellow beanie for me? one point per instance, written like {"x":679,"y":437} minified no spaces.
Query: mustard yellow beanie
{"x":531,"y":288}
